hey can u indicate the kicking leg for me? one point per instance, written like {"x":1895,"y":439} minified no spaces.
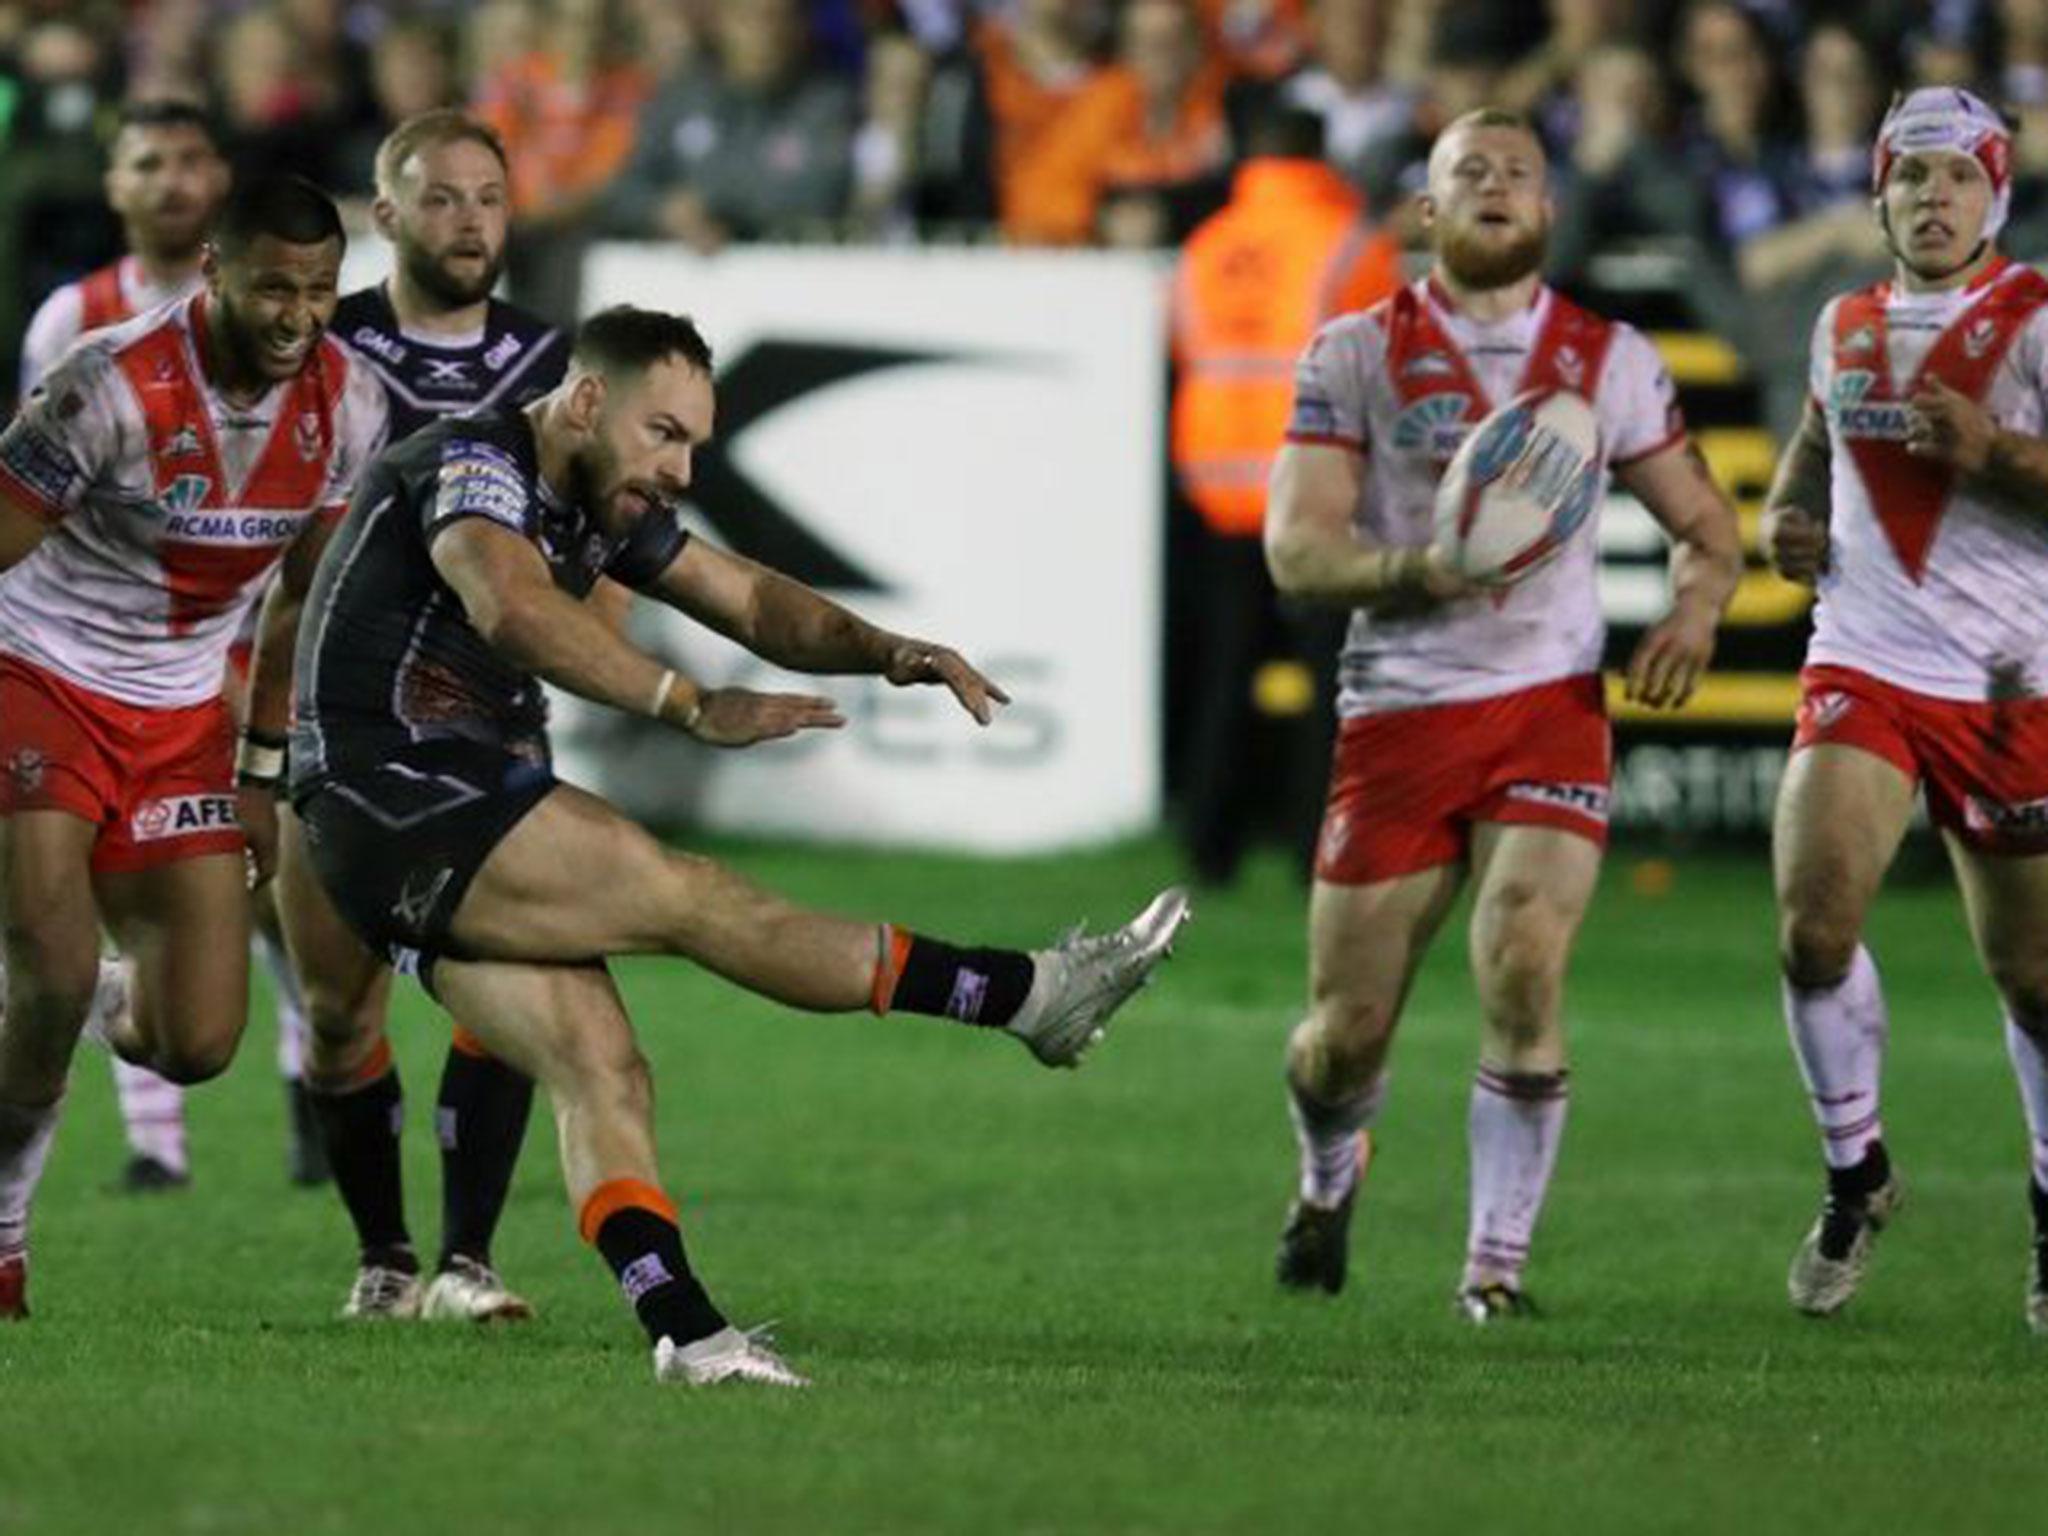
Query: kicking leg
{"x":1841,"y":814}
{"x":305,"y":1150}
{"x":2007,"y":902}
{"x":1365,"y":942}
{"x":1533,"y":886}
{"x":575,"y":880}
{"x":566,"y":1026}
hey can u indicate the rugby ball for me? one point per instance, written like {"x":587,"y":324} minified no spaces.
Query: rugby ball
{"x":1523,"y":482}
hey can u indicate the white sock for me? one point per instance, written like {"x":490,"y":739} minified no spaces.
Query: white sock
{"x":1327,"y":1135}
{"x":1515,"y":1124}
{"x":1838,"y":1035}
{"x":2030,"y":1066}
{"x":112,"y":998}
{"x":152,"y":1114}
{"x":291,"y":1008}
{"x":26,"y":1131}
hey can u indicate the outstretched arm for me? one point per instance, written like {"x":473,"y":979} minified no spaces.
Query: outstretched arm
{"x":783,"y":621}
{"x":515,"y":606}
{"x":1706,"y":566}
{"x":1312,"y":551}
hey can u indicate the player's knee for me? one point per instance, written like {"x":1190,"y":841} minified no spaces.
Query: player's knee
{"x":1343,"y":1035}
{"x":1523,"y":954}
{"x":194,"y":1061}
{"x":1816,"y":947}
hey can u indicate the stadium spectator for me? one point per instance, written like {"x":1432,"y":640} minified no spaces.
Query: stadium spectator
{"x":1345,"y":84}
{"x":412,"y":70}
{"x":1032,"y":64}
{"x":755,"y":144}
{"x":1734,"y":139}
{"x":1463,"y":76}
{"x":921,"y":157}
{"x":276,"y":119}
{"x":1150,"y":132}
{"x":1825,"y":240}
{"x":1544,"y":83}
{"x":565,"y":110}
{"x":1259,"y":39}
{"x":1616,"y":175}
{"x":54,"y":223}
{"x":1257,"y":279}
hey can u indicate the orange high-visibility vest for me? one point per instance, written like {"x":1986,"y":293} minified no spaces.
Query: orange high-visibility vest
{"x":1255,"y":282}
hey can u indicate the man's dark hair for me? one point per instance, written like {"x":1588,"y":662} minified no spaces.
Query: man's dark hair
{"x":286,"y":208}
{"x":625,"y":340}
{"x":163,"y":112}
{"x":1286,"y":133}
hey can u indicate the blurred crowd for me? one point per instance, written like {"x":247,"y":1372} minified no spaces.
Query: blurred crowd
{"x":1736,"y":130}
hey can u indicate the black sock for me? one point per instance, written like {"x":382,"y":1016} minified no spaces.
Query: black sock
{"x":360,"y":1129}
{"x":481,"y":1117}
{"x":2037,"y":1200}
{"x":645,"y":1251}
{"x":975,"y":986}
{"x":1857,"y":1184}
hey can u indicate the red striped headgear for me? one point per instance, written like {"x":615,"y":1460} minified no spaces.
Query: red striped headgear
{"x":1944,"y":118}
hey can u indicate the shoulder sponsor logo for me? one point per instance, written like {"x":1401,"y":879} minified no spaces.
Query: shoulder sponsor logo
{"x":377,"y":344}
{"x":481,"y":480}
{"x":1313,"y":416}
{"x":502,"y":352}
{"x":39,"y":462}
{"x":1435,"y":425}
{"x":182,"y":816}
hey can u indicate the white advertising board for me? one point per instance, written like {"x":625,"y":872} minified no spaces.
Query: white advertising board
{"x":963,"y":446}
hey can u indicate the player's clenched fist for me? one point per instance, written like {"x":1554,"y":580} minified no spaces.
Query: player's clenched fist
{"x":738,"y":717}
{"x":1796,"y":543}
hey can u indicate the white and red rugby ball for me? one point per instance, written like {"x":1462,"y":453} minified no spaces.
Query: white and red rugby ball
{"x":1523,"y":482}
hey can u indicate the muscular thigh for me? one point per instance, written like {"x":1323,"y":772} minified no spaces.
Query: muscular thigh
{"x":1533,"y":884}
{"x":186,"y":926}
{"x":46,"y":888}
{"x":342,"y":976}
{"x":2006,"y":898}
{"x":1365,"y":941}
{"x":1841,"y":813}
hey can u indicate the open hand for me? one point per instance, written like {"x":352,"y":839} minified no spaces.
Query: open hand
{"x":911,"y":662}
{"x":739,"y":717}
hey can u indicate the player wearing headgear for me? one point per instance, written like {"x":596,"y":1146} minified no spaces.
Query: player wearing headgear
{"x":148,"y":489}
{"x":1474,"y":736}
{"x":1912,"y":497}
{"x":441,"y":345}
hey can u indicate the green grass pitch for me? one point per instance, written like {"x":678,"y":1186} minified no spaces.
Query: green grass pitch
{"x":1042,"y":1302}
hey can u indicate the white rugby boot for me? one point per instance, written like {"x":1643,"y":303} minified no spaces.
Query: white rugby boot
{"x":471,"y":1292}
{"x":1835,"y":1253}
{"x":1078,"y":983}
{"x":731,"y":1354}
{"x":383,"y":1292}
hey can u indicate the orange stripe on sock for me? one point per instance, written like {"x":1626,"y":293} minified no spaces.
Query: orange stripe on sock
{"x":616,"y":1195}
{"x":892,"y":952}
{"x":462,"y":1040}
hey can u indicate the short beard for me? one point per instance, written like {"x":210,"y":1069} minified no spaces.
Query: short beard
{"x":1486,"y":266}
{"x":430,"y":279}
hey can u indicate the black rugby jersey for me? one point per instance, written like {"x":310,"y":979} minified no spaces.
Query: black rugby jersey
{"x":519,"y":357}
{"x":386,"y":656}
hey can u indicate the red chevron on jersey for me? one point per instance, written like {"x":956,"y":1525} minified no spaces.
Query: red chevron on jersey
{"x":217,"y":539}
{"x":1442,"y":398}
{"x":1907,"y":493}
{"x":101,"y":301}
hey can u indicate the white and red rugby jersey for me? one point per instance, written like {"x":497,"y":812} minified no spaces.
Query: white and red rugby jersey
{"x":168,"y":505}
{"x":1933,"y":583}
{"x":119,"y":291}
{"x":1402,"y":383}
